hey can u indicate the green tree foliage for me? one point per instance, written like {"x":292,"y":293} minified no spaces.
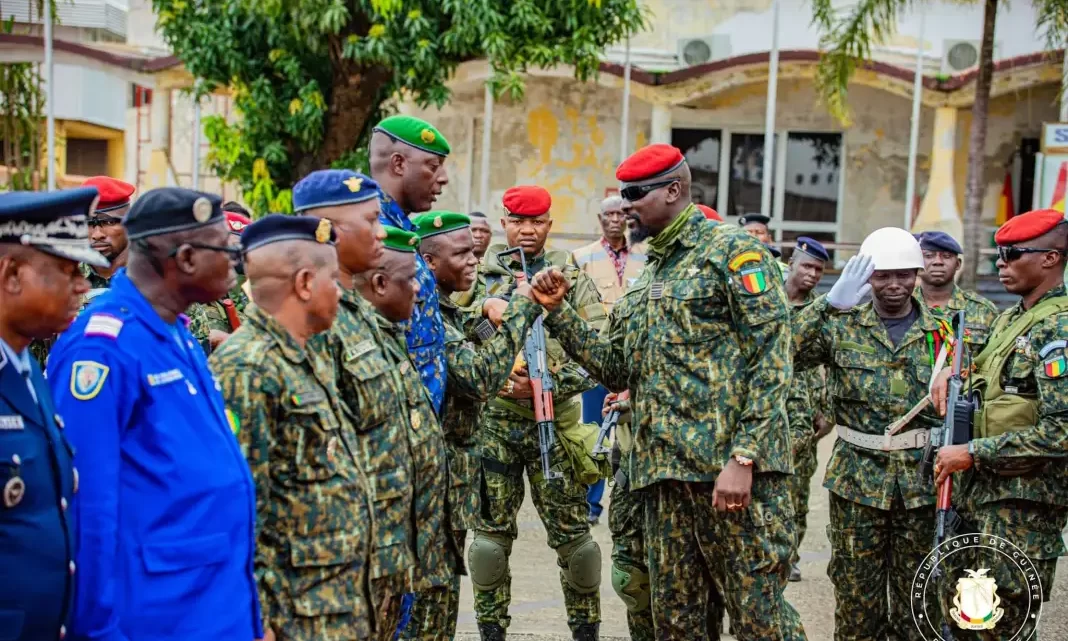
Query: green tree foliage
{"x":848,"y":35}
{"x":310,"y":77}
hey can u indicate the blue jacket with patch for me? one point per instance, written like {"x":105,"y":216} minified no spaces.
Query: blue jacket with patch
{"x":166,"y":508}
{"x":425,"y":331}
{"x":37,"y":533}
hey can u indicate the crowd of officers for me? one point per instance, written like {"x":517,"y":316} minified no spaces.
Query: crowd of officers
{"x":285,"y":429}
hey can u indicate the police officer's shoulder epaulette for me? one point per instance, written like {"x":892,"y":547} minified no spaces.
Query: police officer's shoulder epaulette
{"x":102,"y":324}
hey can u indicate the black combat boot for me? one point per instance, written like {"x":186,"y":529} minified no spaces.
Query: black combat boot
{"x":491,"y":632}
{"x":587,"y":632}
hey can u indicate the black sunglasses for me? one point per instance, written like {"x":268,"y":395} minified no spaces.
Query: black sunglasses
{"x":634,"y":193}
{"x":1009,"y":254}
{"x":234,"y":252}
{"x":103,"y":221}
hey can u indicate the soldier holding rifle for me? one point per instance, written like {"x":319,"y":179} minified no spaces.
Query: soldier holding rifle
{"x":1018,"y":489}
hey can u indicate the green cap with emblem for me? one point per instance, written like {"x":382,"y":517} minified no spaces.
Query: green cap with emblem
{"x":399,"y":240}
{"x":440,"y":222}
{"x":416,"y":133}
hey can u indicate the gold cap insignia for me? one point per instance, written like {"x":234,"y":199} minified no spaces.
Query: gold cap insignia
{"x":202,"y":210}
{"x":354,"y":184}
{"x":414,"y":240}
{"x":322,"y":232}
{"x":804,"y":247}
{"x":437,"y":222}
{"x":428,"y":136}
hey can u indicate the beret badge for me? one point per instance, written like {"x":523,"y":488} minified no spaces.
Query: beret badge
{"x":322,"y":232}
{"x":427,"y":136}
{"x":354,"y":184}
{"x":202,"y":210}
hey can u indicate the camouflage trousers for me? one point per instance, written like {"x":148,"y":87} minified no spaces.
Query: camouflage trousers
{"x":625,"y":522}
{"x":510,"y":446}
{"x":805,"y":465}
{"x":692,"y":549}
{"x":387,"y":595}
{"x":1033,"y":527}
{"x":874,"y":557}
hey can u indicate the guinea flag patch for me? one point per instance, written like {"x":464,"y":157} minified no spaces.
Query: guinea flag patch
{"x":1053,"y":361}
{"x":753,"y":280}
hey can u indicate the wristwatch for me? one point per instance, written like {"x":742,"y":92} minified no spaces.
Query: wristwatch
{"x":743,"y":460}
{"x":971,"y":450}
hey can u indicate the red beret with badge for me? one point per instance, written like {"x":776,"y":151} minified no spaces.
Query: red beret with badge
{"x":235,"y":222}
{"x":649,"y":162}
{"x":527,"y":200}
{"x":114,"y":194}
{"x":710,"y":213}
{"x":1028,"y":226}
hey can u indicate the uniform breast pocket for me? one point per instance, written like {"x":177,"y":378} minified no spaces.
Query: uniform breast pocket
{"x":368,"y":392}
{"x":313,"y":440}
{"x":693,"y":309}
{"x":858,"y":374}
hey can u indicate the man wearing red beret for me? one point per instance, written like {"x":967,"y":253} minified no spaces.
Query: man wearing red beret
{"x":702,"y":341}
{"x":1018,"y":489}
{"x":509,"y":437}
{"x":212,"y":323}
{"x":107,"y":236}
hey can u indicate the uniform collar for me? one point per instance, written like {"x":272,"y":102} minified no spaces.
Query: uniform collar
{"x":141,"y":308}
{"x":925,"y":322}
{"x":1018,"y":309}
{"x":259,"y":318}
{"x":21,"y":362}
{"x":957,"y":299}
{"x":394,"y":215}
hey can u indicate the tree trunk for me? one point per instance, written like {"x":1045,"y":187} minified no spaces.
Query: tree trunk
{"x":976,"y":186}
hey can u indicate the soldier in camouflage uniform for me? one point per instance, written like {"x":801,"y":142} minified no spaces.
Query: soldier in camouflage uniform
{"x":806,"y":268}
{"x":107,"y":236}
{"x":212,"y":323}
{"x":509,"y":439}
{"x":879,"y":358}
{"x":1018,"y":489}
{"x":372,"y":398}
{"x":312,"y":499}
{"x":702,"y":341}
{"x":477,"y":370}
{"x":938,"y":289}
{"x":392,"y":288}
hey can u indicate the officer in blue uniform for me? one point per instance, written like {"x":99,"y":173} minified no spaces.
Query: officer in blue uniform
{"x":43,"y":237}
{"x":167,"y":515}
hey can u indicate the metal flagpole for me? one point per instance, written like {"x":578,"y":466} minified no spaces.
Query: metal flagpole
{"x":487,"y":139}
{"x":196,"y":142}
{"x":624,"y":147}
{"x":769,"y":118}
{"x":1064,"y":86}
{"x":914,"y":136}
{"x":50,"y":103}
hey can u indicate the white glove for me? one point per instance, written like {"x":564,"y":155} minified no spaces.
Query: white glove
{"x":852,"y":286}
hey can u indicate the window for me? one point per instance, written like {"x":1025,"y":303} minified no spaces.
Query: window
{"x":813,"y":154}
{"x":702,"y":150}
{"x":87,"y":157}
{"x":747,"y":174}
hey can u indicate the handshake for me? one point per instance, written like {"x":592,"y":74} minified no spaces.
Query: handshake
{"x":547,"y":289}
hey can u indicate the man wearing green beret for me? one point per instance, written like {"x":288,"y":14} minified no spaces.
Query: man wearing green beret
{"x":408,"y":162}
{"x":476,"y":373}
{"x":392,"y":287}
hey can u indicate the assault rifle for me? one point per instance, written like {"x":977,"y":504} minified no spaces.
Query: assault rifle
{"x":541,"y":380}
{"x":607,"y":425}
{"x":956,"y":429}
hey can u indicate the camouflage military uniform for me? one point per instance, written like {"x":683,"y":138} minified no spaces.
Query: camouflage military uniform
{"x":39,"y":349}
{"x":374,"y":401}
{"x":205,"y":317}
{"x":702,"y":341}
{"x":438,"y":562}
{"x":1028,"y":505}
{"x":475,"y":375}
{"x":313,"y":540}
{"x":803,"y":405}
{"x":979,"y":314}
{"x":509,"y":444}
{"x":881,"y":511}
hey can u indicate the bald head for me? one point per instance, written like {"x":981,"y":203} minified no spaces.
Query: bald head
{"x":271,"y":268}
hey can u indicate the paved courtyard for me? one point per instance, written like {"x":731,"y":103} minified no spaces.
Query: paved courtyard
{"x":538,"y":608}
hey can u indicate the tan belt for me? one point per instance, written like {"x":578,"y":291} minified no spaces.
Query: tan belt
{"x":911,"y":440}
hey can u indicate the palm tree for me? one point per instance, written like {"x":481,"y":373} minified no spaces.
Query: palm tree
{"x":846,"y":41}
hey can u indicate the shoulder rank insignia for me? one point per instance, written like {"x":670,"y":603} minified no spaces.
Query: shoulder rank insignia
{"x":103,"y":325}
{"x":1053,"y":361}
{"x":87,"y":379}
{"x":743,"y":258}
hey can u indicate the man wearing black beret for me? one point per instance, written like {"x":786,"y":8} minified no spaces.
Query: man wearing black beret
{"x":938,"y":289}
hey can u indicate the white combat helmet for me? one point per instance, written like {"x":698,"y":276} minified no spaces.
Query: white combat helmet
{"x":892,"y":248}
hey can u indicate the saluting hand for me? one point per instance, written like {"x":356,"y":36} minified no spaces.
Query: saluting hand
{"x":852,"y":286}
{"x":734,"y":487}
